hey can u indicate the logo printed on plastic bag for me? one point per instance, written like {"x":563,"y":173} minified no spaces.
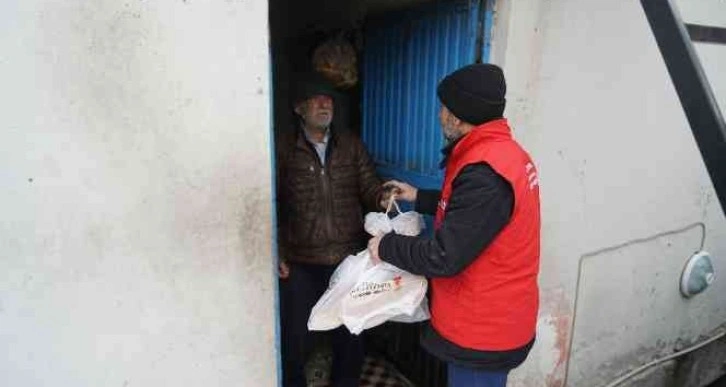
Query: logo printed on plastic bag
{"x":372,"y":288}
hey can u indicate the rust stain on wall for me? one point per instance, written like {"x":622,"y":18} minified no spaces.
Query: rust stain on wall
{"x":561,"y":321}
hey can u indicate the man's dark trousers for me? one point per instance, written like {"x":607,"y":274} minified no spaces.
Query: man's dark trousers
{"x":298,"y":294}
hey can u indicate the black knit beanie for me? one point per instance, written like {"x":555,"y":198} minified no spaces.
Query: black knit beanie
{"x":475,"y":93}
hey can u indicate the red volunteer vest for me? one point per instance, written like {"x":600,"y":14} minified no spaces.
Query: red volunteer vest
{"x":492,"y":305}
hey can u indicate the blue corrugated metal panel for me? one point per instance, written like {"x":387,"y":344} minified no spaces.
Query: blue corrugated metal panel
{"x":488,"y":23}
{"x":405,"y":55}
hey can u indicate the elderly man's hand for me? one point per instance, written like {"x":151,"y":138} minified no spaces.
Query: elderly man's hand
{"x":373,"y":249}
{"x":402,"y":190}
{"x":386,"y":195}
{"x":283,"y":270}
{"x":397,"y":190}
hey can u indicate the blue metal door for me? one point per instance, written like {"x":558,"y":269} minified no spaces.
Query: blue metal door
{"x":405,"y":56}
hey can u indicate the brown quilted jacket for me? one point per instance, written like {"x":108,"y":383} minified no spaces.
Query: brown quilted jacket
{"x":320,"y":208}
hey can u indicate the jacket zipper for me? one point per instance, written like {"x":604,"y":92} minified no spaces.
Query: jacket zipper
{"x":327,"y":195}
{"x":328,"y":202}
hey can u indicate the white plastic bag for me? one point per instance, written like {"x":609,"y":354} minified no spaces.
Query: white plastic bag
{"x":362,"y":295}
{"x":326,"y":313}
{"x":408,"y":223}
{"x":382,"y":293}
{"x":377,"y":223}
{"x":405,"y":223}
{"x":421,"y":313}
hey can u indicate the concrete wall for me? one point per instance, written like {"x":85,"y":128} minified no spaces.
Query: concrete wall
{"x":626,"y":197}
{"x":713,"y":56}
{"x":135,"y":240}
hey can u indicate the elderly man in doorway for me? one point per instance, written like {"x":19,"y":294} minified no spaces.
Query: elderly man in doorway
{"x":484,"y":258}
{"x":326,"y":182}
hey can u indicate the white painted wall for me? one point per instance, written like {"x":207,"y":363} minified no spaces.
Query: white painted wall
{"x":135,"y":240}
{"x":713,"y":56}
{"x":704,"y":12}
{"x":590,"y":97}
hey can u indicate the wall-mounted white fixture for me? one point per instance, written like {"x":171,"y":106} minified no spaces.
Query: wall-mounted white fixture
{"x":697,"y":274}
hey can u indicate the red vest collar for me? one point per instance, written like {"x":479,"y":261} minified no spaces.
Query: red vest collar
{"x":489,"y":131}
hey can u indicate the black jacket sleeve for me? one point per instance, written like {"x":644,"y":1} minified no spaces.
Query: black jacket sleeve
{"x":480,"y":206}
{"x":427,"y":200}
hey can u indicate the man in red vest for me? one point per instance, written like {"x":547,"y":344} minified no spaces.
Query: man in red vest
{"x":483,"y":260}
